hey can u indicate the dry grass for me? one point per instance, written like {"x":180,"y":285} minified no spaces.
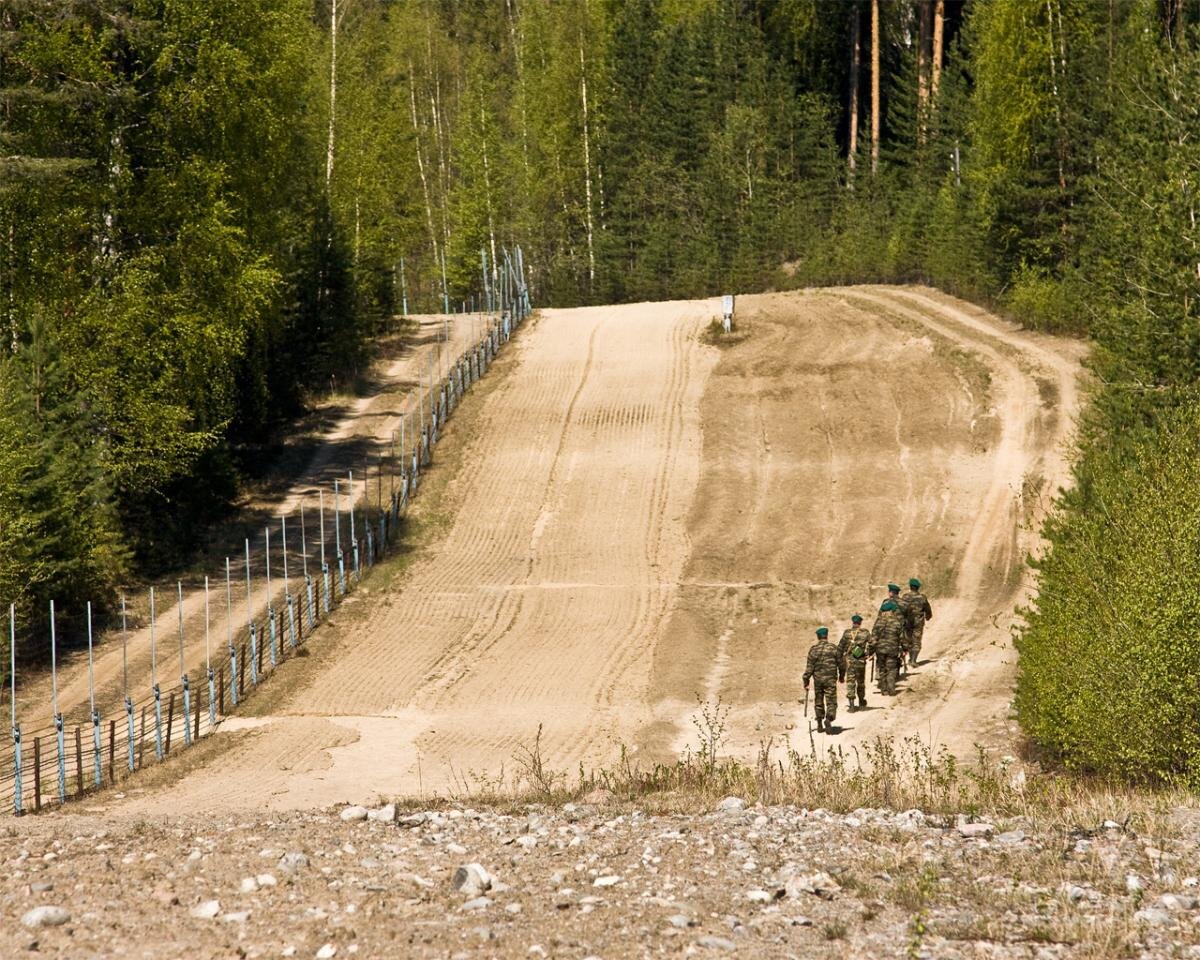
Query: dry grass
{"x":887,"y":774}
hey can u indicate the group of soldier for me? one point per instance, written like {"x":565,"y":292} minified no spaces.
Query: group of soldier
{"x":894,"y":640}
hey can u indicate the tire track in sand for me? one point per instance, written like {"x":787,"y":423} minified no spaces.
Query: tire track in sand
{"x":541,"y":602}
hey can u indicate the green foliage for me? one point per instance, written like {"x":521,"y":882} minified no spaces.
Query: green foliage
{"x":1109,"y":678}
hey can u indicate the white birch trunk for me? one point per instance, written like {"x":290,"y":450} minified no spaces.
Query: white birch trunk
{"x":333,"y":32}
{"x":587,"y":164}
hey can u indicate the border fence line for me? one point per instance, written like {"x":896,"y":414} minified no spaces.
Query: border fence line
{"x":373,"y":528}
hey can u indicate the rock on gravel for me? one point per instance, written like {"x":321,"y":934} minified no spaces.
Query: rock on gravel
{"x":818,"y":884}
{"x":731,"y":805}
{"x":292,"y":861}
{"x":716,"y":943}
{"x":350,"y":814}
{"x":206,"y":910}
{"x":46,"y":916}
{"x":471,"y":880}
{"x":975,"y":831}
{"x":385,"y":814}
{"x":327,"y":952}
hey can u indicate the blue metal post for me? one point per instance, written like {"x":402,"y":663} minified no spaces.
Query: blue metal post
{"x":250,"y":624}
{"x":271,"y":632}
{"x":233,"y":663}
{"x":158,"y":740}
{"x":353,"y":533}
{"x":337,"y":538}
{"x":287,"y":592}
{"x":208,"y":670}
{"x":183,"y":675}
{"x":96,"y":762}
{"x":131,"y":759}
{"x":16,"y":727}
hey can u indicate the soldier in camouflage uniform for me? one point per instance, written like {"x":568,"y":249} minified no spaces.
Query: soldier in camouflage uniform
{"x":824,"y":669}
{"x":852,"y":652}
{"x":894,"y":596}
{"x":886,"y":636}
{"x":916,"y":609}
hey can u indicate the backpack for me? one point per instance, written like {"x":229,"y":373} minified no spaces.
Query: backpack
{"x":858,"y":651}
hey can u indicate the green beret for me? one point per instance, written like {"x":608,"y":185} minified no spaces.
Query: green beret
{"x":892,"y":588}
{"x":889,"y":605}
{"x":857,"y":618}
{"x":822,"y":632}
{"x":914,"y":583}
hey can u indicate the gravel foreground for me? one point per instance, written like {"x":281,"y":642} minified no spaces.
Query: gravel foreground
{"x":595,"y":880}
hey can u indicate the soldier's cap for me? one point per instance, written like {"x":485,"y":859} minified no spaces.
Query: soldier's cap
{"x":857,"y":618}
{"x":892,"y":588}
{"x":822,"y":632}
{"x":889,"y":605}
{"x":914,"y":583}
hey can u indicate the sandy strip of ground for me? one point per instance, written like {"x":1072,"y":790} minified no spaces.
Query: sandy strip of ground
{"x":640,"y":519}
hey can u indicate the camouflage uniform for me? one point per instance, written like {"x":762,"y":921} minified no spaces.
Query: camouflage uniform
{"x":854,"y":669}
{"x":824,"y":668}
{"x":915,"y":607}
{"x":886,"y":637}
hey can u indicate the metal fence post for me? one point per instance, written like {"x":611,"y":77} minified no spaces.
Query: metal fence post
{"x":308,"y":581}
{"x":58,"y":717}
{"x":98,"y":773}
{"x":131,"y":759}
{"x":233,"y":656}
{"x":250,"y":623}
{"x":270,"y":603}
{"x":183,"y":674}
{"x":158,"y":743}
{"x":16,"y":727}
{"x":353,"y":532}
{"x":287,"y":592}
{"x":208,"y":670}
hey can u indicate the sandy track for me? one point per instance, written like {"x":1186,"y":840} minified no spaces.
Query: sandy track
{"x":541,"y":603}
{"x":860,"y":436}
{"x":640,"y":519}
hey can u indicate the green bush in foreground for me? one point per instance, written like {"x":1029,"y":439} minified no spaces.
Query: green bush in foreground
{"x":1110,"y":652}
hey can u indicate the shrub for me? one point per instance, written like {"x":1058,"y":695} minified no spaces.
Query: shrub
{"x":1109,"y":675}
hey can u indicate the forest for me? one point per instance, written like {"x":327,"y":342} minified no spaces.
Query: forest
{"x":207,"y":211}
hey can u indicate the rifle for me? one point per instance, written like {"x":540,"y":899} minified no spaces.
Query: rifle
{"x":806,"y":699}
{"x":872,"y":668}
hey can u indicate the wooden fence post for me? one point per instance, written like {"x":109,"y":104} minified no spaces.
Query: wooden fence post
{"x":170,"y":720}
{"x":78,"y":761}
{"x":37,"y":773}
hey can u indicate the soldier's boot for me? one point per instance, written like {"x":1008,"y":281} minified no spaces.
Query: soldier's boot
{"x":850,"y":705}
{"x":862,"y":703}
{"x":820,"y":724}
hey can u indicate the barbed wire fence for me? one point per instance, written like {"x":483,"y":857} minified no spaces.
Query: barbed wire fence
{"x":117,"y":731}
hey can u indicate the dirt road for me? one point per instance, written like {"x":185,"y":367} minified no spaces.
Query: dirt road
{"x":639,"y":518}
